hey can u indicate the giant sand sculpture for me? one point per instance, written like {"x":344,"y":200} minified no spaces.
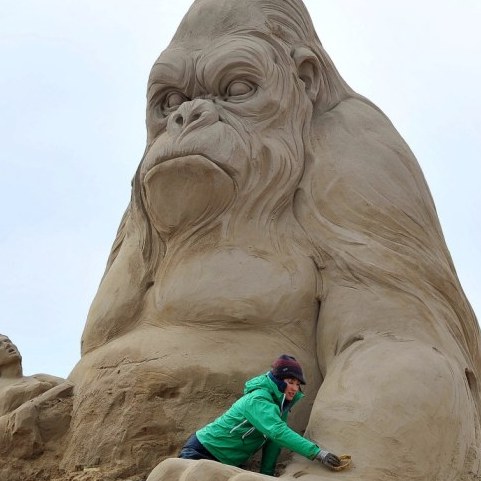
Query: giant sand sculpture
{"x":275,"y":210}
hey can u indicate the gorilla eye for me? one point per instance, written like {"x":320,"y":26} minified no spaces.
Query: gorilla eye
{"x":240,"y":89}
{"x":173,"y":100}
{"x":168,"y":103}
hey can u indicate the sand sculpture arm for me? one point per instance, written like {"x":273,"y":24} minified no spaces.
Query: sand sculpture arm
{"x":27,"y":389}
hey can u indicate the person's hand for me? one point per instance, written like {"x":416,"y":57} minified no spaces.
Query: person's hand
{"x":328,"y":459}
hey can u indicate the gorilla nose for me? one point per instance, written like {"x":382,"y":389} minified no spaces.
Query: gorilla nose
{"x":192,"y":116}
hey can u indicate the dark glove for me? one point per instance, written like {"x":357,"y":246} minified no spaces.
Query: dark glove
{"x":328,"y":459}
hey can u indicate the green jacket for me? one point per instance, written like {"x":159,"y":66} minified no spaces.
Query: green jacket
{"x":255,"y":420}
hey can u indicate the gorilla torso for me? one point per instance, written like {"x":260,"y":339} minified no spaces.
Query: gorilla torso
{"x":220,"y":292}
{"x":225,"y":295}
{"x":234,"y":287}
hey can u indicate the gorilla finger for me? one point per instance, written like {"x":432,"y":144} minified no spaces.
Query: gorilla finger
{"x":169,"y":470}
{"x":245,"y":476}
{"x":205,"y":470}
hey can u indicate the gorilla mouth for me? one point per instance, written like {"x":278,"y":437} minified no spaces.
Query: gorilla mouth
{"x":175,"y":173}
{"x":180,"y":159}
{"x":181,"y":192}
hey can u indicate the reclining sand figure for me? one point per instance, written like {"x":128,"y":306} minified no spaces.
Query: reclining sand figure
{"x":34,"y":414}
{"x":15,"y":388}
{"x":276,"y":210}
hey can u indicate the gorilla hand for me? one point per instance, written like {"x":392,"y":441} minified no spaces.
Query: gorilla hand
{"x":176,"y":469}
{"x":203,"y":470}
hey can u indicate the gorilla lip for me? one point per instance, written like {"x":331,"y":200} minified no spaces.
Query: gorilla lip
{"x":180,"y":157}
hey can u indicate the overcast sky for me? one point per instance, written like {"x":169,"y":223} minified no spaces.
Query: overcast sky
{"x":72,"y":98}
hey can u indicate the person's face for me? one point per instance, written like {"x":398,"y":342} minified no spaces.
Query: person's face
{"x":293,"y":385}
{"x":8,"y":351}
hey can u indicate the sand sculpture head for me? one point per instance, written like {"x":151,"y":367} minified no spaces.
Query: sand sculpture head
{"x":276,"y":210}
{"x":9,"y":356}
{"x":232,"y":88}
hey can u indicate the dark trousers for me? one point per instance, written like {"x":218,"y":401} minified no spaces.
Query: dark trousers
{"x":193,"y":449}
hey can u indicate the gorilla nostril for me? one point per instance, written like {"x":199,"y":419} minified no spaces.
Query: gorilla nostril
{"x":190,"y":116}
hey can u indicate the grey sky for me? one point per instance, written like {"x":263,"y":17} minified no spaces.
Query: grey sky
{"x":72,"y":94}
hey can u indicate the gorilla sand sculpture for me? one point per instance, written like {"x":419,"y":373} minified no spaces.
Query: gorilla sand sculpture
{"x":275,"y":211}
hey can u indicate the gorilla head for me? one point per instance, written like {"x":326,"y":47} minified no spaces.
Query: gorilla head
{"x":229,"y":111}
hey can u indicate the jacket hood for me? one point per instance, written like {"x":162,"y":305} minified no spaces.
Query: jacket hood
{"x":264,"y":382}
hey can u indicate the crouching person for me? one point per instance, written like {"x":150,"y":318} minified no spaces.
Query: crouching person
{"x":258,"y":421}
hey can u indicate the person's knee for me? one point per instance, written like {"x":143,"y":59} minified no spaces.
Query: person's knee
{"x":189,"y":453}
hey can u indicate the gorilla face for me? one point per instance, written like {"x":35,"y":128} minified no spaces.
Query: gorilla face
{"x":223,"y":121}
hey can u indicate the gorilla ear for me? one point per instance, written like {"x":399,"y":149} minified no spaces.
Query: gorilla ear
{"x":309,"y":71}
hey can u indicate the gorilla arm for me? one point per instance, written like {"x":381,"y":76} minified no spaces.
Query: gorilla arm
{"x":389,"y":400}
{"x":394,"y":333}
{"x":117,"y":302}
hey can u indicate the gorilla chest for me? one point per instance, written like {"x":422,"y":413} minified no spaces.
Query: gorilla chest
{"x":235,"y":286}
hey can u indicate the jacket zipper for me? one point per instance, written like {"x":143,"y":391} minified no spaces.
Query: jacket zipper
{"x":247,"y":433}
{"x":238,"y":426}
{"x":251,"y":430}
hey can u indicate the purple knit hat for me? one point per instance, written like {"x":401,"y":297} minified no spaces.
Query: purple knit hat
{"x":287,"y":367}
